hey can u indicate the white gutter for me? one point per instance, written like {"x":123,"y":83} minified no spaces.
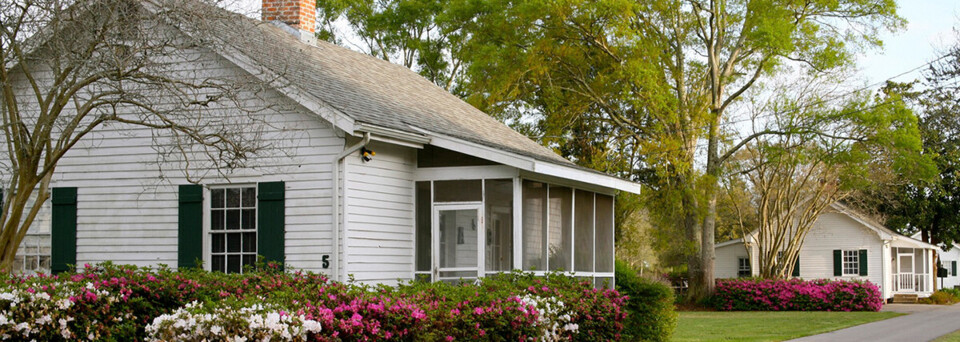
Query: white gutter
{"x":336,"y":202}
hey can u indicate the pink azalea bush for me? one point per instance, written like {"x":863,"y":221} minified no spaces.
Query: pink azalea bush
{"x":796,"y":295}
{"x":120,"y":303}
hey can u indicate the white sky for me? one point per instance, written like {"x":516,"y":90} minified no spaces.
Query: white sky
{"x":929,"y":31}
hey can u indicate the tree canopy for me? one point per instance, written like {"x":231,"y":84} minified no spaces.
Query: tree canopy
{"x":644,"y":89}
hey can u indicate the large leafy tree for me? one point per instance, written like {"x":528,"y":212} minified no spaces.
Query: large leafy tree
{"x":931,"y":206}
{"x":822,"y":155}
{"x":645,"y":88}
{"x":663,"y":76}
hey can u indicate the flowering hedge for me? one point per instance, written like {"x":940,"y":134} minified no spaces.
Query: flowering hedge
{"x":796,"y":295}
{"x":121,"y":303}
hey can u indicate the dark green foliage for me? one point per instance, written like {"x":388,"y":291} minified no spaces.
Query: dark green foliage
{"x":650,"y":312}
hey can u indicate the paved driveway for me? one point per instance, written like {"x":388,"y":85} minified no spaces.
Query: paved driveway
{"x":924,"y":323}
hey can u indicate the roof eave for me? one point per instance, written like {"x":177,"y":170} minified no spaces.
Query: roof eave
{"x":530,"y":164}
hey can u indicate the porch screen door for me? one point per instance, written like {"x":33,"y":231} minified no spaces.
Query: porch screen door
{"x":457,"y":241}
{"x":905,"y":277}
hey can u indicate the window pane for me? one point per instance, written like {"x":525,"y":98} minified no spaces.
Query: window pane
{"x":233,"y":198}
{"x":233,"y":243}
{"x":233,"y":263}
{"x":233,"y":219}
{"x":217,"y":198}
{"x":216,"y":220}
{"x":249,"y":197}
{"x":499,"y":222}
{"x":217,"y":263}
{"x":457,"y":191}
{"x":423,"y":226}
{"x":583,"y":231}
{"x":218,"y":243}
{"x":604,"y":235}
{"x":248,"y":219}
{"x":249,"y":242}
{"x":534,"y":208}
{"x":561,"y":215}
{"x":249,"y":260}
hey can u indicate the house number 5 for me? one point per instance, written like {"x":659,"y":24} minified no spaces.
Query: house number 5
{"x":326,"y":261}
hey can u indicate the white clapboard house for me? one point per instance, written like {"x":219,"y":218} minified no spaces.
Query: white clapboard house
{"x":450,"y":193}
{"x":844,"y":244}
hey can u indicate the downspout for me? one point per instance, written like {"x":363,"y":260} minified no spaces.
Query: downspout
{"x":336,"y":202}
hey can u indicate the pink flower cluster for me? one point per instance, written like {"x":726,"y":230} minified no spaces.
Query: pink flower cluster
{"x":509,"y":307}
{"x":796,"y":295}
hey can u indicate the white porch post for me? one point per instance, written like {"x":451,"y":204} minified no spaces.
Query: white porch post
{"x":886,"y":270}
{"x":517,"y":224}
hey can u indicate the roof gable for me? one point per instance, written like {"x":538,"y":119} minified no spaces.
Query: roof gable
{"x":351,"y":90}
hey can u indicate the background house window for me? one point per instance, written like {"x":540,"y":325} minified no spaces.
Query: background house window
{"x":743,"y":267}
{"x":233,"y":228}
{"x":851,"y":262}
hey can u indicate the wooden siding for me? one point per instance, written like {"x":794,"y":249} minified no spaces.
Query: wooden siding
{"x":946,"y":259}
{"x":727,"y":264}
{"x":127,"y":200}
{"x":379,"y":220}
{"x":838,"y":231}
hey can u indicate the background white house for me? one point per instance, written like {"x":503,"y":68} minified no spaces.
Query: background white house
{"x":843,"y":244}
{"x":948,"y":260}
{"x":449,"y":193}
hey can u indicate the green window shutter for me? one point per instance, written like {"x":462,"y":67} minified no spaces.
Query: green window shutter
{"x":270,"y":221}
{"x":953,"y":268}
{"x":837,"y":262}
{"x":63,"y":235}
{"x":796,"y":267}
{"x":190,"y":226}
{"x":863,"y":262}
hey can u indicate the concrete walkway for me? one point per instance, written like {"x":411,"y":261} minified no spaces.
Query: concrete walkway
{"x":923,"y":323}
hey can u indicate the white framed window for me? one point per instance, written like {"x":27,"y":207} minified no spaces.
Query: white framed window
{"x":743,"y":267}
{"x":232,"y":228}
{"x":851,"y":263}
{"x":33,"y":254}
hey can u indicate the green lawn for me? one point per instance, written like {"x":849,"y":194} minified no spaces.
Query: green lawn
{"x":952,"y":337}
{"x":767,"y":326}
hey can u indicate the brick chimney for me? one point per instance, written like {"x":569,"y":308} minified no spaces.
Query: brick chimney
{"x":299,"y":14}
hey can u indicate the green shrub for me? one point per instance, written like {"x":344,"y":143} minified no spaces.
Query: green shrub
{"x":941,"y":297}
{"x":953,"y":291}
{"x":651,"y":315}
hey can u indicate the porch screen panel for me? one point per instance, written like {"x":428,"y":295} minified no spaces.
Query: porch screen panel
{"x":604,"y":233}
{"x":498,"y":209}
{"x":534,"y":208}
{"x":423,"y":226}
{"x":560,"y":224}
{"x":458,"y":191}
{"x":919,"y":265}
{"x":583,"y":231}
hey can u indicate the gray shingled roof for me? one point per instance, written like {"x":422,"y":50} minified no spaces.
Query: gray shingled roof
{"x":365,"y":88}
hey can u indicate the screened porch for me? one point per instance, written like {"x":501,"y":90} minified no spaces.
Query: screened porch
{"x":912,"y":270}
{"x":468,"y":228}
